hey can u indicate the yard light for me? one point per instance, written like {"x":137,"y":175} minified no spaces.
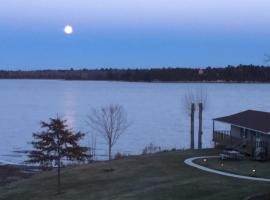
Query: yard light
{"x":221,"y":164}
{"x":204,"y":160}
{"x":253,"y":172}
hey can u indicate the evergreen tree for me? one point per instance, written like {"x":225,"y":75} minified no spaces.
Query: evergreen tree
{"x":55,"y":144}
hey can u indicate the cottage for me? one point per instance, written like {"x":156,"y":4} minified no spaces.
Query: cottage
{"x":247,"y":131}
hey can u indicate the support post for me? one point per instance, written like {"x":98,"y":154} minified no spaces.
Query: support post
{"x":200,"y":126}
{"x":192,"y":126}
{"x":214,"y":139}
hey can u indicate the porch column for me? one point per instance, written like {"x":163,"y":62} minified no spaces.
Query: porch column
{"x":214,"y":139}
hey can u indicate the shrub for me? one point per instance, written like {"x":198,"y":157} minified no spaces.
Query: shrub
{"x":119,"y":156}
{"x":150,"y":149}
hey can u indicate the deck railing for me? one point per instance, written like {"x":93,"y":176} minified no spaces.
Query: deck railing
{"x":222,"y":136}
{"x":225,"y":138}
{"x":245,"y":146}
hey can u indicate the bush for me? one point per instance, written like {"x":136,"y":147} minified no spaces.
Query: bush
{"x":150,"y":149}
{"x":119,"y":156}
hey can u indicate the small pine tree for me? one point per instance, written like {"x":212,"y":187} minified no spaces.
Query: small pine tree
{"x":55,"y":143}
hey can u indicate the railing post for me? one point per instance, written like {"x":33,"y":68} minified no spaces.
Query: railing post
{"x":214,"y":134}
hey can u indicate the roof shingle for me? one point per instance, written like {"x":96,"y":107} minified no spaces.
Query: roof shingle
{"x":251,"y":119}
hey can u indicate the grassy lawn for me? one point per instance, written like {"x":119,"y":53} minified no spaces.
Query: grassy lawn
{"x":151,"y":177}
{"x":10,"y":174}
{"x":242,"y":167}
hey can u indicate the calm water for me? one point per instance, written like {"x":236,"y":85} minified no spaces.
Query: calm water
{"x":155,"y":110}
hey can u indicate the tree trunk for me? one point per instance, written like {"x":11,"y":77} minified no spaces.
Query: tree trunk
{"x":110,"y":151}
{"x":192,"y":126}
{"x":58,"y":166}
{"x":200,"y":126}
{"x":59,"y":176}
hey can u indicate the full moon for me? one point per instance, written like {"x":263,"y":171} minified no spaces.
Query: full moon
{"x":68,"y":29}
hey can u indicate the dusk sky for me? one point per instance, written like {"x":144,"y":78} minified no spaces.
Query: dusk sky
{"x":133,"y":33}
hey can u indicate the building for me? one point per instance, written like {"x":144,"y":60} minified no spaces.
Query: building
{"x":247,"y":131}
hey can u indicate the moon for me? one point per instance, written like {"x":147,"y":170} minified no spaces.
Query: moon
{"x":68,"y":29}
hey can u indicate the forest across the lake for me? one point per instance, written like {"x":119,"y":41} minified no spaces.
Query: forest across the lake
{"x":240,"y":73}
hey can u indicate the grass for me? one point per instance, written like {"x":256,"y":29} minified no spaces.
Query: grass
{"x":9,"y":173}
{"x":151,"y":177}
{"x":242,"y":167}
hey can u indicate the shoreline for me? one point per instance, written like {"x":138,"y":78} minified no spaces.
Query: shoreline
{"x":123,"y":81}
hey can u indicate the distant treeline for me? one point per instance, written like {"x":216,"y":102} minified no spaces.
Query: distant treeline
{"x":241,"y":73}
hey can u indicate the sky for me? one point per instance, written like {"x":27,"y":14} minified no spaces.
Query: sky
{"x":133,"y":33}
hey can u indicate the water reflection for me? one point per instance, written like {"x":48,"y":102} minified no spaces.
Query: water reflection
{"x":69,"y":107}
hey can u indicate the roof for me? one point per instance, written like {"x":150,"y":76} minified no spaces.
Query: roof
{"x":251,"y":119}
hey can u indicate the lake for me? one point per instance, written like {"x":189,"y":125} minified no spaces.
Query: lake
{"x":155,"y":110}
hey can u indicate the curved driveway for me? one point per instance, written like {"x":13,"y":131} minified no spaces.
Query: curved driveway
{"x":190,"y":162}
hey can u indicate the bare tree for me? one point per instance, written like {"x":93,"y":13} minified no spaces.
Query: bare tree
{"x":110,"y":122}
{"x":189,"y":105}
{"x":93,"y":145}
{"x":201,"y":100}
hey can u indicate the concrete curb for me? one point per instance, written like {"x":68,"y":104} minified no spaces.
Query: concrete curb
{"x":190,"y":162}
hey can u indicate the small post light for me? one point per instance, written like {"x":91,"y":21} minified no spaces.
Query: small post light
{"x":253,"y":172}
{"x":222,"y":164}
{"x":204,"y":160}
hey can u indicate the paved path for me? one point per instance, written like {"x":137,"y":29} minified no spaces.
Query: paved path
{"x":190,"y":162}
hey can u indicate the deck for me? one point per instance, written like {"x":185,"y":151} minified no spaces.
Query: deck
{"x":222,"y":137}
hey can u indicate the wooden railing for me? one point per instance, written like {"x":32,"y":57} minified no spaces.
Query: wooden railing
{"x":244,"y":146}
{"x":224,"y":138}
